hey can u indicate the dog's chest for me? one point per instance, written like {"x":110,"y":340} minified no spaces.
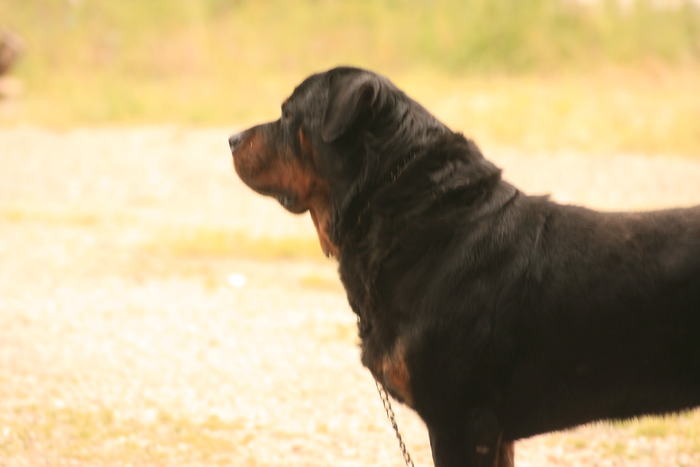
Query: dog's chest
{"x":383,"y":349}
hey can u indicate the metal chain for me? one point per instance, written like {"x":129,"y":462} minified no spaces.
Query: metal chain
{"x":386,"y":402}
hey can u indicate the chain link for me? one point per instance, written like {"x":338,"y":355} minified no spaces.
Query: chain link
{"x":386,"y":402}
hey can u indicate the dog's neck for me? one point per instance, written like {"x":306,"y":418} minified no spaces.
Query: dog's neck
{"x":467,"y":173}
{"x":353,"y":212}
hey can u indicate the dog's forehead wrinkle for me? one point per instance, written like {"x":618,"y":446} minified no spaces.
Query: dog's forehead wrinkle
{"x":307,"y":112}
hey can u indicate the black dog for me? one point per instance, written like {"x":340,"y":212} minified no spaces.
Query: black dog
{"x":495,"y":315}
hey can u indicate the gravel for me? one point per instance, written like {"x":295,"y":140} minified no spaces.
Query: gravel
{"x":113,"y":352}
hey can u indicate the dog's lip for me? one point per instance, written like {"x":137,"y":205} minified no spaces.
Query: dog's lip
{"x":289,"y":201}
{"x":291,"y":204}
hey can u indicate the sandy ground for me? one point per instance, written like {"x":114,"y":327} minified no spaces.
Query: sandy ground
{"x":115,"y":351}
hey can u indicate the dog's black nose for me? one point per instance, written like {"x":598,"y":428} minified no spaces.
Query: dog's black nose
{"x":235,"y":140}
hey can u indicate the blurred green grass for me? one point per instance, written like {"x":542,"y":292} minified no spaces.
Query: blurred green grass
{"x":547,"y":74}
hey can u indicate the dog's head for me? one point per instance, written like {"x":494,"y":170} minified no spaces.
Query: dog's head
{"x":340,"y":133}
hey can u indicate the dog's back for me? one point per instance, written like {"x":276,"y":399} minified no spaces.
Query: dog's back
{"x":608,"y":320}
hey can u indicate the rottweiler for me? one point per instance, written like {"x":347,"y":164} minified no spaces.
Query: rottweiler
{"x":493,"y":314}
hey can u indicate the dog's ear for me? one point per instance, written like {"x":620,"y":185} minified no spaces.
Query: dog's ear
{"x":349,"y":96}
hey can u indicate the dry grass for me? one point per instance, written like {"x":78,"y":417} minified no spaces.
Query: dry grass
{"x":611,"y":111}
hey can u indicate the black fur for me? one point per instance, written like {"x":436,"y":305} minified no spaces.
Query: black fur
{"x":515,"y":315}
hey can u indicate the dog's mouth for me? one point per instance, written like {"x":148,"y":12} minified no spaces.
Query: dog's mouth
{"x":291,"y":204}
{"x":250,"y":175}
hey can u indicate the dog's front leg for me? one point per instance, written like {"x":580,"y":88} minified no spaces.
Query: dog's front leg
{"x":474,"y":441}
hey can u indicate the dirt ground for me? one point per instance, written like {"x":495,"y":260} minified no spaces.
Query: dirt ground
{"x":118,"y":349}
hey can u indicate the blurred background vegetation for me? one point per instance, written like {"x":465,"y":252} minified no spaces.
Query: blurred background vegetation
{"x":593,"y":75}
